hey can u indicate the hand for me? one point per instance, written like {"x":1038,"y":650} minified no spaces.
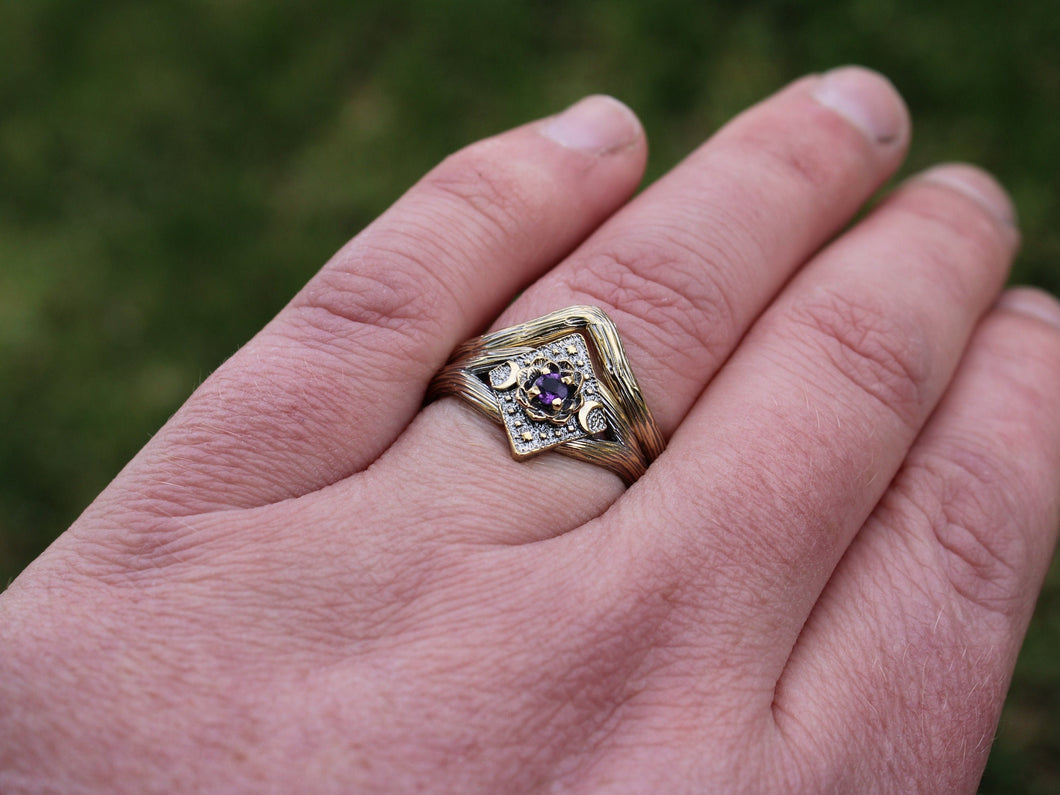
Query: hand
{"x":308,"y":582}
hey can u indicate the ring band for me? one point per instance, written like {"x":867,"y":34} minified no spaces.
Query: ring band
{"x":560,"y":383}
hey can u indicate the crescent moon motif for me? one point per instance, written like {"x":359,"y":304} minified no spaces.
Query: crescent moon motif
{"x":512,"y":377}
{"x":583,"y":416}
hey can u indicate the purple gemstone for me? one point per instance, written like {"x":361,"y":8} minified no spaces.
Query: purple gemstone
{"x":552,"y":388}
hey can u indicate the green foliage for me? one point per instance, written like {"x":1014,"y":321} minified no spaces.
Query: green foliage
{"x":172,"y":172}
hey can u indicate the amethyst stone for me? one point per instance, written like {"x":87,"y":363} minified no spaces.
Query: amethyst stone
{"x":549,"y":391}
{"x":552,"y":389}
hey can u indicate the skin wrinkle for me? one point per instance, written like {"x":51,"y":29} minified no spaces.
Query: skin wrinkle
{"x":500,"y":204}
{"x":856,"y":337}
{"x":500,"y":201}
{"x":401,"y":296}
{"x":987,"y":569}
{"x":175,"y":496}
{"x":641,"y":282}
{"x":967,"y":458}
{"x":819,"y":165}
{"x":630,"y":295}
{"x":202,"y":442}
{"x":757,"y":198}
{"x":975,"y":237}
{"x":810,"y":161}
{"x":532,"y":247}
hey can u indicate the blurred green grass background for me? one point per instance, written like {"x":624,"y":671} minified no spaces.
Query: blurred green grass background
{"x":171,"y":172}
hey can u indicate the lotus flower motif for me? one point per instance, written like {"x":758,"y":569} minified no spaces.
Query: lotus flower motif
{"x":550,"y":390}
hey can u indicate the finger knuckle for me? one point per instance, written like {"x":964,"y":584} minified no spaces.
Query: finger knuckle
{"x":386,"y":285}
{"x":146,"y":545}
{"x":379,"y":286}
{"x":870,"y":349}
{"x":969,"y":504}
{"x":493,"y":195}
{"x":953,"y":214}
{"x":806,"y":165}
{"x":408,"y":276}
{"x":670,"y":288}
{"x":961,"y":246}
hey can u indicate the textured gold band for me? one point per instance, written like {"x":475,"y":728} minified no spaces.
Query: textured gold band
{"x":562,"y":383}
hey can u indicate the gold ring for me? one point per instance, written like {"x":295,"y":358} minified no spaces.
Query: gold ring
{"x":560,"y":383}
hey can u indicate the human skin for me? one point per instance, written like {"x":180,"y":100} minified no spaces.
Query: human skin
{"x":309,"y":582}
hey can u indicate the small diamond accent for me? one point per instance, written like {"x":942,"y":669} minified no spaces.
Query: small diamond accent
{"x":498,"y":374}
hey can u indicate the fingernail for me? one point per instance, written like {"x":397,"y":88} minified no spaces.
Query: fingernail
{"x":867,"y":100}
{"x":1032,"y":302}
{"x":599,"y":124}
{"x":978,"y":186}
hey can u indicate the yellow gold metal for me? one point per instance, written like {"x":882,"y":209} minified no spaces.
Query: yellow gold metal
{"x":513,"y":376}
{"x":627,"y":440}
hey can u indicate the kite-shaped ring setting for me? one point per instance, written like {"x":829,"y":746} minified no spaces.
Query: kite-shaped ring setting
{"x":560,"y":383}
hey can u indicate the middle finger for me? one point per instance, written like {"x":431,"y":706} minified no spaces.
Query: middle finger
{"x":683,"y":271}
